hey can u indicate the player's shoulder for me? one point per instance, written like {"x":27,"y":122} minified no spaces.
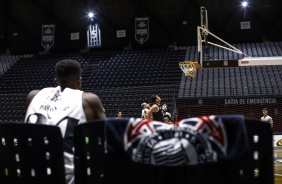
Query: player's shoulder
{"x":89,"y":96}
{"x":32,"y":93}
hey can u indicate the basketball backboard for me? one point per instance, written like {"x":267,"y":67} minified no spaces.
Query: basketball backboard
{"x":203,"y":49}
{"x":203,"y":45}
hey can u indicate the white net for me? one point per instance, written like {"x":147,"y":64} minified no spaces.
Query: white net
{"x":189,"y":68}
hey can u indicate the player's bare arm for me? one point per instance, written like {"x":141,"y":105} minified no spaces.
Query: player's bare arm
{"x":149,"y":113}
{"x":149,"y":116}
{"x":92,"y":107}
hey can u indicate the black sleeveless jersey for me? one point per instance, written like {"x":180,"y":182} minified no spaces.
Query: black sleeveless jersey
{"x":158,"y":116}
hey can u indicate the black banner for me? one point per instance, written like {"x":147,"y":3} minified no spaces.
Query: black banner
{"x":141,"y":29}
{"x":48,"y":34}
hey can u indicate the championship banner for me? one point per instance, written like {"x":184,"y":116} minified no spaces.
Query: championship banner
{"x":141,"y":29}
{"x":94,"y":35}
{"x":48,"y":34}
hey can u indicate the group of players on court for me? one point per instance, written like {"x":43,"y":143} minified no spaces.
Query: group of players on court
{"x":156,"y":111}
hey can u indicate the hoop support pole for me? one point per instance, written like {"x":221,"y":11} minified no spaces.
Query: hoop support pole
{"x":234,"y":49}
{"x":237,"y":51}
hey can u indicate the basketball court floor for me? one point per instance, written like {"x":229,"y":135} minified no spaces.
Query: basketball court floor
{"x":277,"y":172}
{"x":277,"y":165}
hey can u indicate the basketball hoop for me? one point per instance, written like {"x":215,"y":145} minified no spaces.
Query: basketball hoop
{"x":189,"y":68}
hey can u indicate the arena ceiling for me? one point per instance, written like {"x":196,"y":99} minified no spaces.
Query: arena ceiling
{"x":171,"y":21}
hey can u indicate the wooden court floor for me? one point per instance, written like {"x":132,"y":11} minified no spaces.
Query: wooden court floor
{"x":277,"y":172}
{"x":277,"y":166}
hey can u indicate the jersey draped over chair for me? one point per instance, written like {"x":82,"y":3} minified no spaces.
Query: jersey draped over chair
{"x":208,"y":149}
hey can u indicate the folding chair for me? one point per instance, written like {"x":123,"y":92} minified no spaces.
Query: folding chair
{"x":89,"y":159}
{"x":95,"y":163}
{"x":31,"y":153}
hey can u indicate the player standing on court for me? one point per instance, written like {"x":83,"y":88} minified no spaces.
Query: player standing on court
{"x":266,"y":117}
{"x":156,"y":109}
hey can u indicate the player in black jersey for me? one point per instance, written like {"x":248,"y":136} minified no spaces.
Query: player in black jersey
{"x":156,"y":109}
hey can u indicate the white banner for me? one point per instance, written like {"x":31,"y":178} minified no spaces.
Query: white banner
{"x":245,"y":25}
{"x":74,"y":36}
{"x":121,"y":33}
{"x":94,"y":35}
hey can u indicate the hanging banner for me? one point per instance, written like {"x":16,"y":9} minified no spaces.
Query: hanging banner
{"x":141,"y":29}
{"x":48,"y":34}
{"x":94,"y":35}
{"x":74,"y":36}
{"x":121,"y":33}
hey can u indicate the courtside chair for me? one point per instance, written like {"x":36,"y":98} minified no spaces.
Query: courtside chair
{"x":31,"y":154}
{"x":100,"y":158}
{"x":89,"y":152}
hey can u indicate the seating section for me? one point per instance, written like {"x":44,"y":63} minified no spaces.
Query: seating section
{"x":12,"y":107}
{"x":128,"y":99}
{"x":32,"y":73}
{"x":7,"y":61}
{"x":241,"y":81}
{"x":124,"y":79}
{"x":136,"y":67}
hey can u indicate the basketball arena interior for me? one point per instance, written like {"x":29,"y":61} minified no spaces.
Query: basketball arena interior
{"x":135,"y":53}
